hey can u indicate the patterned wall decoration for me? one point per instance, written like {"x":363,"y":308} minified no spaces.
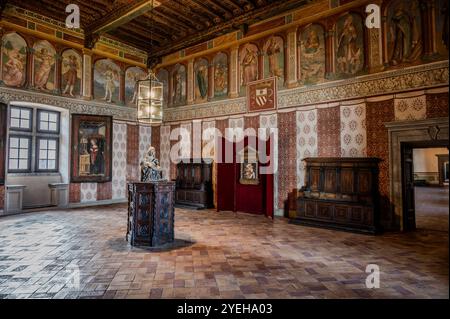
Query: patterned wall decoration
{"x":312,"y":54}
{"x":274,"y":59}
{"x":88,"y":192}
{"x":201,"y":80}
{"x":306,"y":141}
{"x":220,"y":75}
{"x":349,"y":54}
{"x":441,"y":25}
{"x":164,"y":157}
{"x":404,"y":31}
{"x":13,"y":60}
{"x":44,"y":66}
{"x":353,"y":130}
{"x":106,"y":81}
{"x":186,"y":144}
{"x":287,"y":163}
{"x":133,"y":171}
{"x":266,"y":122}
{"x":208,"y":125}
{"x":104,"y":191}
{"x":378,"y":113}
{"x":74,"y":192}
{"x":132,"y":75}
{"x":179,"y":85}
{"x":72,"y":73}
{"x":235,"y":123}
{"x":410,"y":108}
{"x":437,"y":105}
{"x":2,"y":197}
{"x":119,"y":168}
{"x":252,"y":122}
{"x":248,"y":65}
{"x":329,"y":137}
{"x":145,"y":140}
{"x":156,"y":140}
{"x":173,"y":165}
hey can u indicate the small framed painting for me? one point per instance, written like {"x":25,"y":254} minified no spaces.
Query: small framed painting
{"x":249,"y":173}
{"x":91,"y":148}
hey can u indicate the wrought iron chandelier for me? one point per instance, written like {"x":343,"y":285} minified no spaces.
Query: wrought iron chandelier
{"x":150,"y":92}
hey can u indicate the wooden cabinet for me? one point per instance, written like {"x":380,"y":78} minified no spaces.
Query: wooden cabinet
{"x":150,"y":213}
{"x":340,"y":193}
{"x":194,"y":184}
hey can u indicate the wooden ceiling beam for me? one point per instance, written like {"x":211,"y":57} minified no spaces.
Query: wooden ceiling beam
{"x":121,"y":16}
{"x":237,"y":8}
{"x":205,"y":8}
{"x":264,"y":12}
{"x":226,"y":12}
{"x":168,"y":22}
{"x":188,"y":14}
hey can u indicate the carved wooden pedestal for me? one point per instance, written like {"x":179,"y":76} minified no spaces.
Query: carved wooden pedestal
{"x":151,"y":213}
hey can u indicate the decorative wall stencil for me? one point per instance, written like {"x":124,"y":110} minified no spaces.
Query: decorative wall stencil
{"x":248,"y":61}
{"x":287,"y":163}
{"x":353,"y":130}
{"x":133,"y":169}
{"x":91,"y":148}
{"x":201,"y":80}
{"x":220,"y":75}
{"x":132,"y":75}
{"x":378,"y":113}
{"x":266,"y":122}
{"x":329,"y":137}
{"x":13,"y":60}
{"x":306,"y":141}
{"x":404,"y":33}
{"x":74,"y":192}
{"x":163,"y":76}
{"x":145,"y":140}
{"x":312,"y":54}
{"x":88,"y":192}
{"x":106,"y":81}
{"x":104,"y":191}
{"x":186,"y":144}
{"x":165,"y":151}
{"x":119,"y":178}
{"x":71,"y":73}
{"x":437,"y":105}
{"x":173,"y":164}
{"x":235,"y":123}
{"x":409,"y":109}
{"x":208,"y":125}
{"x":349,"y":54}
{"x":274,"y":59}
{"x":44,"y":66}
{"x":262,"y":95}
{"x":179,"y":85}
{"x":251,"y":122}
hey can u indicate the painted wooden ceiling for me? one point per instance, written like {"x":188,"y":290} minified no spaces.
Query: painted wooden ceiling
{"x":172,"y":24}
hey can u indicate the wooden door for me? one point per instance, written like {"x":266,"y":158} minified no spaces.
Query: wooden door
{"x":409,"y":215}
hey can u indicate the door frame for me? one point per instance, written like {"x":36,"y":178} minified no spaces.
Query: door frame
{"x":419,"y":132}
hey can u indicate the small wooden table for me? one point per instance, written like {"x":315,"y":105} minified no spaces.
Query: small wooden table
{"x":151,"y":213}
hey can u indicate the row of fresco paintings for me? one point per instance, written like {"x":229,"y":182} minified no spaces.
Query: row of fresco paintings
{"x":402,"y":38}
{"x":106,"y":81}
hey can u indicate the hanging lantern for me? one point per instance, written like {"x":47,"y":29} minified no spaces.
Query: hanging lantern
{"x":150,"y":100}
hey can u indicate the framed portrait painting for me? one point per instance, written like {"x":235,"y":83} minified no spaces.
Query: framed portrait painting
{"x":91,"y":148}
{"x":249,"y":173}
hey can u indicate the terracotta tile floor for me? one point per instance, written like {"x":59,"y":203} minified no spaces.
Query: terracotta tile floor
{"x":225,"y":255}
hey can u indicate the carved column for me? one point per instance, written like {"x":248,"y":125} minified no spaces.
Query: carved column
{"x":190,"y":82}
{"x":30,"y":82}
{"x":87,"y":74}
{"x":58,"y":80}
{"x":329,"y":49}
{"x":122,"y":87}
{"x":234,"y":74}
{"x":291,"y":58}
{"x":261,"y":54}
{"x":211,"y":81}
{"x":429,"y":28}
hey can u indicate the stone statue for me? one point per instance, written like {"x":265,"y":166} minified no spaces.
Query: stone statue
{"x":150,"y":169}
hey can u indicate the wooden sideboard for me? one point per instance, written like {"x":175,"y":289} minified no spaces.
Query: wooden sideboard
{"x":150,"y":213}
{"x":340,"y":193}
{"x":194,"y":183}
